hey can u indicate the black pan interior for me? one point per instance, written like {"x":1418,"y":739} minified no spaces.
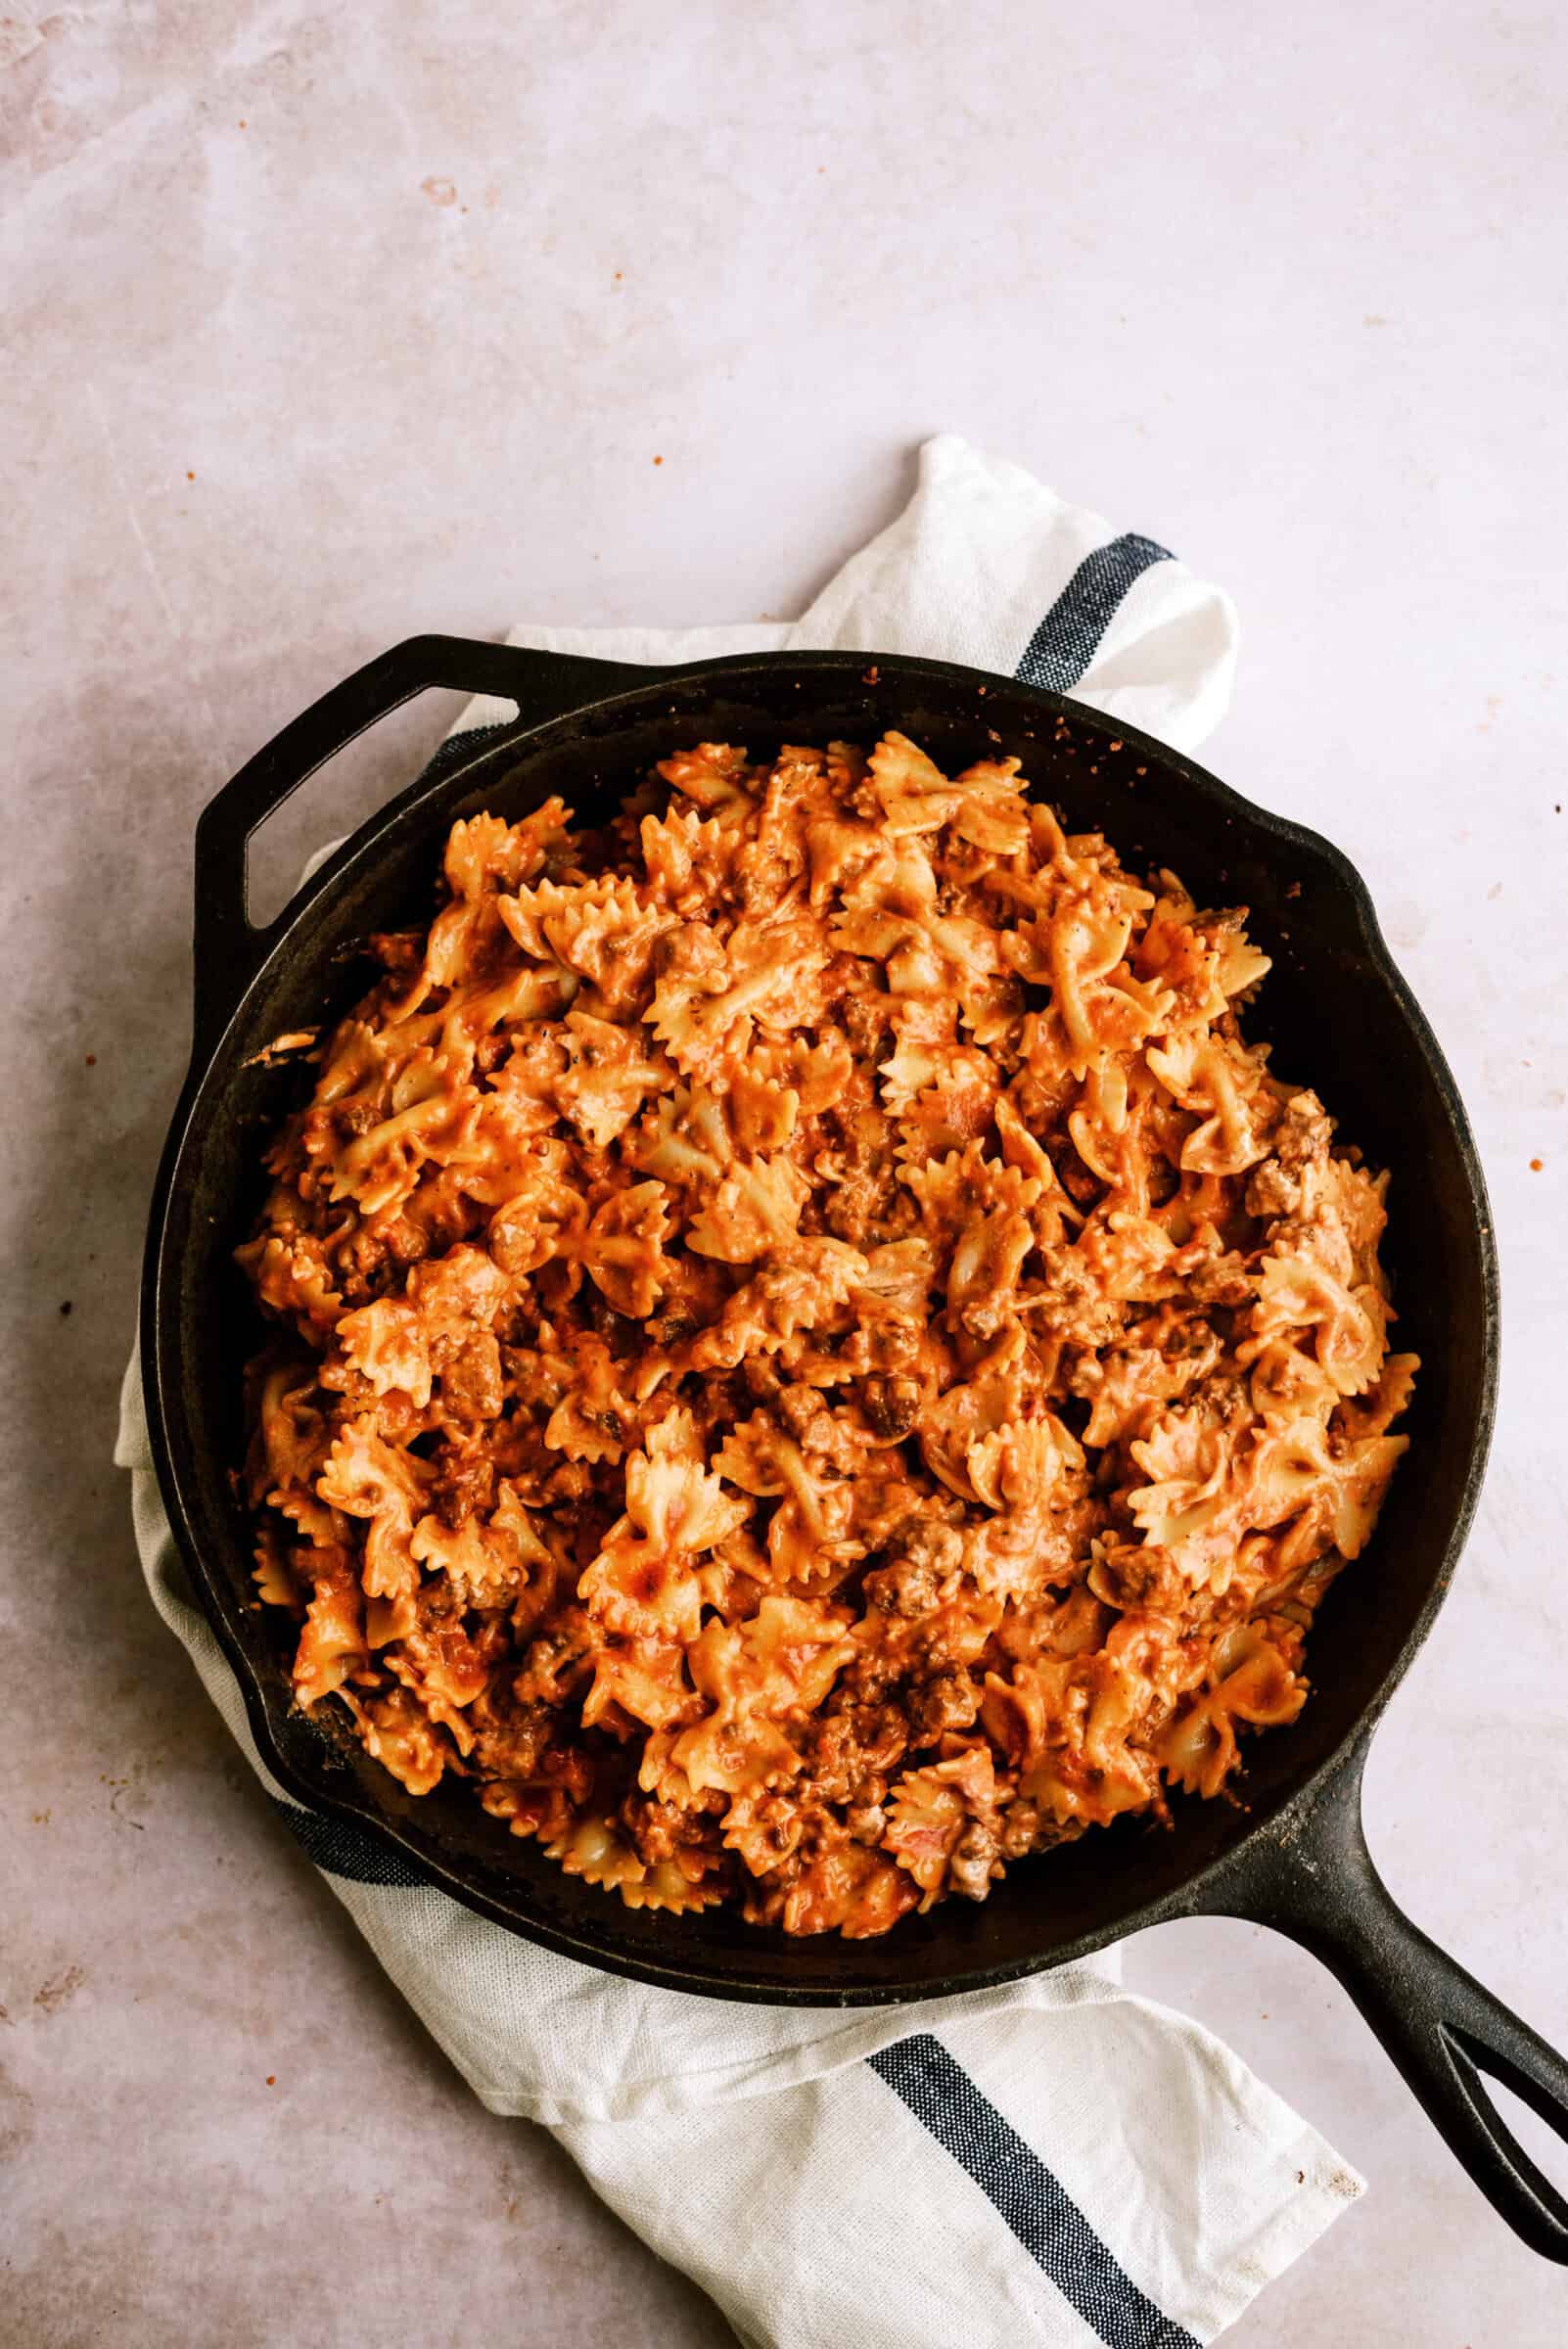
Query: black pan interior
{"x":1338,"y":1017}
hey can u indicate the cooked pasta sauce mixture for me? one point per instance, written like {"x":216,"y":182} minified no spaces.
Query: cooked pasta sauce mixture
{"x":812,"y":1359}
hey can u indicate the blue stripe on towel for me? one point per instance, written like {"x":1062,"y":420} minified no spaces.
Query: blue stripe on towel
{"x":1041,"y":2214}
{"x":1069,"y":637}
{"x":342,"y":1849}
{"x":458,"y":749}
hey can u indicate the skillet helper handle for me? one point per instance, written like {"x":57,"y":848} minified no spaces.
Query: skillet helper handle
{"x":1442,"y":2028}
{"x":229,"y":948}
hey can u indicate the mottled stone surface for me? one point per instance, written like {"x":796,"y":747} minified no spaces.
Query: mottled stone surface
{"x":324,"y":326}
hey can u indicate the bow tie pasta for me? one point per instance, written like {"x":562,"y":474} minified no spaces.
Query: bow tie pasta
{"x":812,"y":1358}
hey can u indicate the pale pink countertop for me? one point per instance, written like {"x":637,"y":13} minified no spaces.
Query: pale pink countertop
{"x":325,"y":326}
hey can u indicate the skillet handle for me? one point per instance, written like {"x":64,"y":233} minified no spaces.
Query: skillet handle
{"x":1439,"y":2024}
{"x":229,"y":949}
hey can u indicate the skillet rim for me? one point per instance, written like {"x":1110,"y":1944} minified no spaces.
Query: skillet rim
{"x":1210,"y":1885}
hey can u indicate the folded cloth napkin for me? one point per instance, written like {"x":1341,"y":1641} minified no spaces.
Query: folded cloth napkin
{"x":1056,"y":2160}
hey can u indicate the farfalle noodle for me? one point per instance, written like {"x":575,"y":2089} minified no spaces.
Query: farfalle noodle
{"x":811,"y":1358}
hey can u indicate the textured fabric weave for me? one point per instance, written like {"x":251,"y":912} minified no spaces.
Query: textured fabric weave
{"x":1055,"y":2161}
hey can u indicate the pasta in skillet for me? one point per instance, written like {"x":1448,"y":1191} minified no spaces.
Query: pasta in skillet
{"x":813,"y":1357}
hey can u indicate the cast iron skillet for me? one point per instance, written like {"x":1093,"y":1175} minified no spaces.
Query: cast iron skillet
{"x":1341,"y":1018}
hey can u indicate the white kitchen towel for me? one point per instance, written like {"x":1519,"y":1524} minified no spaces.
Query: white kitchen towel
{"x":1055,"y":2161}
